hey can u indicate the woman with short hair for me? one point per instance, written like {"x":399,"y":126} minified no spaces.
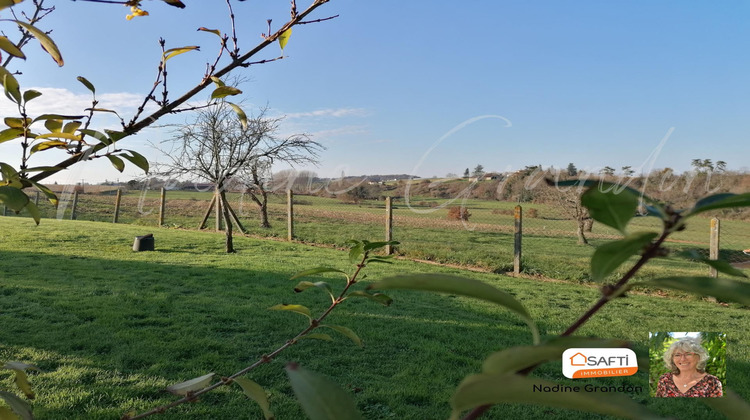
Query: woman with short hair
{"x":686,"y":359}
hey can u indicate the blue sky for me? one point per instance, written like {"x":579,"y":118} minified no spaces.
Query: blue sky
{"x":545,"y":82}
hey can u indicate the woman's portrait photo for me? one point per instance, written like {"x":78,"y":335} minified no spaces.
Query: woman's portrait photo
{"x":687,"y":364}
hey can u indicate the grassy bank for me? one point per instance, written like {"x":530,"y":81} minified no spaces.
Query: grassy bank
{"x":111,"y":328}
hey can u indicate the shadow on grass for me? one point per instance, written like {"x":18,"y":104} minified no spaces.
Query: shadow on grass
{"x":111,"y":334}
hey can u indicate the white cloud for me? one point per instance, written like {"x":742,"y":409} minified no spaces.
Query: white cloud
{"x":65,"y":102}
{"x":335,"y":113}
{"x":347,"y":130}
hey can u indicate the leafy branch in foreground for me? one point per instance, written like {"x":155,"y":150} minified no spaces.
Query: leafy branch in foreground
{"x":360,"y":255}
{"x":504,"y":377}
{"x":72,"y":134}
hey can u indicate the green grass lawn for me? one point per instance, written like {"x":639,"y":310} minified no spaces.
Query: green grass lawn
{"x":550,"y":246}
{"x":111,"y":328}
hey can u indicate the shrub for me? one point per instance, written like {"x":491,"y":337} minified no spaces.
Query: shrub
{"x":458,"y":213}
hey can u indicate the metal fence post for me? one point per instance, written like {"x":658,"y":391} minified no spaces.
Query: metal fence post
{"x":118,"y":199}
{"x":713,"y":252}
{"x":388,"y":224}
{"x":517,"y":216}
{"x":290,"y":215}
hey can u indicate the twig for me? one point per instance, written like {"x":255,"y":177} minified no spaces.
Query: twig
{"x":266,"y":358}
{"x":650,"y":252}
{"x":137,"y":125}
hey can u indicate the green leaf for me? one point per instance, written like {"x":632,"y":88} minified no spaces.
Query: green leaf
{"x":21,"y":380}
{"x":7,"y":414}
{"x":213,"y":31}
{"x":294,"y":308}
{"x":10,"y":48}
{"x":34,"y":211}
{"x":317,"y":270}
{"x":317,"y":336}
{"x":192,"y":385}
{"x":71,"y":127}
{"x":284,"y":38}
{"x":445,"y":283}
{"x":493,"y":388}
{"x":515,"y":359}
{"x":370,"y":246}
{"x":256,"y":393}
{"x":356,"y":252}
{"x":10,"y":134}
{"x":137,"y":159}
{"x":19,"y":406}
{"x":304,"y":285}
{"x":31,"y":94}
{"x":719,"y":201}
{"x":321,"y":399}
{"x":720,"y":288}
{"x":240,"y":114}
{"x":54,"y":126}
{"x":116,"y":162}
{"x":58,"y":117}
{"x":45,"y":40}
{"x":723,"y":267}
{"x":96,"y":135}
{"x":47,"y":145}
{"x":347,"y":332}
{"x":115,"y":135}
{"x":224,"y":91}
{"x":51,"y":196}
{"x":13,"y":197}
{"x":8,"y":3}
{"x":611,"y":255}
{"x":731,"y":405}
{"x":177,"y":51}
{"x":66,"y":136}
{"x":12,"y":89}
{"x":377,"y":297}
{"x":16,"y":122}
{"x":86,"y":83}
{"x":610,"y":208}
{"x":217,"y":81}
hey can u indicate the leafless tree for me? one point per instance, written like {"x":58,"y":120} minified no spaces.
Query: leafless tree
{"x":219,"y":148}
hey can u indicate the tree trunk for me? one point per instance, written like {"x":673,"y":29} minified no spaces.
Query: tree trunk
{"x":588,"y":224}
{"x":581,"y":237}
{"x":264,"y":210}
{"x":227,"y":222}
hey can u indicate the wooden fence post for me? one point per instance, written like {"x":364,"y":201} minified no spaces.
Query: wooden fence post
{"x":713,"y":252}
{"x":388,"y":224}
{"x":162,"y":205}
{"x":219,"y":210}
{"x":290,"y":215}
{"x":118,"y":199}
{"x":73,"y":215}
{"x":36,"y":198}
{"x":518,"y":216}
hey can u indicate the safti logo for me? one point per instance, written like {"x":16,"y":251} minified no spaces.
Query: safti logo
{"x":597,"y":363}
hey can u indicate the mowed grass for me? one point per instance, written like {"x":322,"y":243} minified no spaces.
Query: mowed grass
{"x":550,"y":246}
{"x":111,"y":328}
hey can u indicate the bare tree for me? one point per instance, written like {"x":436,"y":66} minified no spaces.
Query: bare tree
{"x":219,"y":148}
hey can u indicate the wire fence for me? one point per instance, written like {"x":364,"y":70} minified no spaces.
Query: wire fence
{"x":484,"y":236}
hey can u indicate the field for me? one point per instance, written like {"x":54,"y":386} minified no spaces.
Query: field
{"x":111,"y":328}
{"x":485,"y":242}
